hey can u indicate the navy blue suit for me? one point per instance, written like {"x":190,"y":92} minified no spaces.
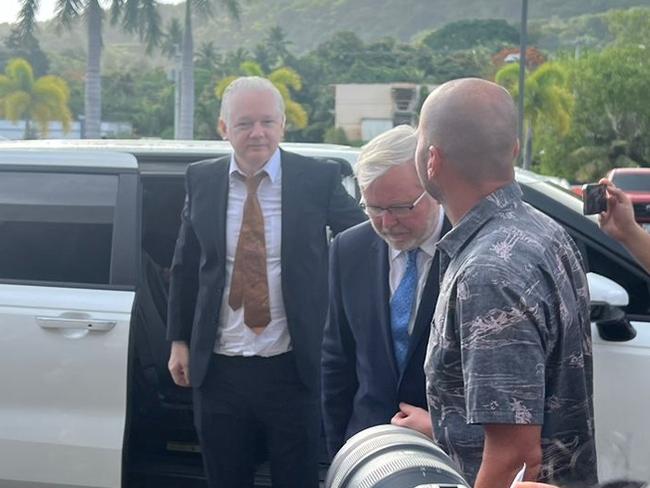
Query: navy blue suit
{"x":361,"y":384}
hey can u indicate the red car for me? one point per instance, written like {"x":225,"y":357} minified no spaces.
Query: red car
{"x":636,"y":183}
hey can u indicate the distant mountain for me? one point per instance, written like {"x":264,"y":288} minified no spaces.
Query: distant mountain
{"x":310,"y":22}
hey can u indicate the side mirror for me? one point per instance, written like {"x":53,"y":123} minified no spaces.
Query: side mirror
{"x":607,"y":298}
{"x":604,"y":290}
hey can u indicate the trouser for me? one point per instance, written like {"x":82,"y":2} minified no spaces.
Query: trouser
{"x":241,"y":396}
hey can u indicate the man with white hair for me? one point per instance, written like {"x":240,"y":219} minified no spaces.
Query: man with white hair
{"x":383,"y":288}
{"x":248,"y":294}
{"x":509,"y":363}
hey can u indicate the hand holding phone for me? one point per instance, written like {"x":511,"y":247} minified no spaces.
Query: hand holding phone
{"x":594,"y":198}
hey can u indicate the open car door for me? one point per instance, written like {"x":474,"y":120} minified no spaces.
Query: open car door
{"x":67,"y":283}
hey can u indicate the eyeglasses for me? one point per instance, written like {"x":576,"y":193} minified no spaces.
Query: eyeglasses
{"x":394,"y":210}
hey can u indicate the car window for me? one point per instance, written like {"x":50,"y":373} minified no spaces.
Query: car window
{"x":632,"y":181}
{"x":58,"y":226}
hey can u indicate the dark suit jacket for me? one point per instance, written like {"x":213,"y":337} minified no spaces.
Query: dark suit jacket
{"x":312,"y":198}
{"x":361,"y":384}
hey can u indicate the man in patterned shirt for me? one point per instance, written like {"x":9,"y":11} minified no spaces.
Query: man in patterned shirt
{"x":509,"y":364}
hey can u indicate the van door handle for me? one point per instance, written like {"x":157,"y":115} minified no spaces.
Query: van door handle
{"x":75,"y":324}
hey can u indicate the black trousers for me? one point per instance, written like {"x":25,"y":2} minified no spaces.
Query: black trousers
{"x":242,"y":396}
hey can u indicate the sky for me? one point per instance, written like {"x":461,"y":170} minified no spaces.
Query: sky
{"x":9,"y":9}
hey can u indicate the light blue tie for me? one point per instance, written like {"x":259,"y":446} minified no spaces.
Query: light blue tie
{"x":401,"y":308}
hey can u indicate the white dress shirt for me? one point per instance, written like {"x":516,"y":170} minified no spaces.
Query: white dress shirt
{"x":234,"y":337}
{"x":398,"y":261}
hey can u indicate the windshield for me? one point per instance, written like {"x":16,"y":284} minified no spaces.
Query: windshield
{"x":632,"y":181}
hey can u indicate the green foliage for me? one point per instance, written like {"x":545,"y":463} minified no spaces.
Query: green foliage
{"x":547,"y":98}
{"x":171,"y":38}
{"x":43,"y":100}
{"x":27,"y":47}
{"x":468,"y":34}
{"x":611,"y":121}
{"x":144,"y":98}
{"x":336,"y":135}
{"x":630,"y":26}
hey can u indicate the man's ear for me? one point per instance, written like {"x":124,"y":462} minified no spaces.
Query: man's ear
{"x":434,"y":161}
{"x":223,"y":129}
{"x":516,"y":149}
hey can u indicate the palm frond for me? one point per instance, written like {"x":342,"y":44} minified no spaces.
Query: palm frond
{"x":150,"y":24}
{"x":222,"y":85}
{"x":251,"y":68}
{"x":296,"y":114}
{"x":16,"y":105}
{"x":508,"y":77}
{"x":288,"y":77}
{"x":116,"y":10}
{"x":21,"y":72}
{"x":67,"y":11}
{"x":27,"y":17}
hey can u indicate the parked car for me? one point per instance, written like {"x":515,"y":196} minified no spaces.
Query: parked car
{"x":88,"y":229}
{"x":636,"y":183}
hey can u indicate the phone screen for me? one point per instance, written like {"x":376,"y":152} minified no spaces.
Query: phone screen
{"x":594,"y":198}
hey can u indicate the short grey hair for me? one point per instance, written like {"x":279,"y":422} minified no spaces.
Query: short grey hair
{"x":391,"y":148}
{"x":249,"y":83}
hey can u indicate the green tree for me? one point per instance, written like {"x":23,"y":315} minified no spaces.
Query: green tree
{"x":41,"y":100}
{"x":611,"y":119}
{"x":547,"y":99}
{"x":136,"y":16}
{"x":28,"y":48}
{"x":631,"y":26}
{"x":285,"y":79}
{"x":143,"y":97}
{"x":172,"y":39}
{"x":205,"y":8}
{"x":468,"y":34}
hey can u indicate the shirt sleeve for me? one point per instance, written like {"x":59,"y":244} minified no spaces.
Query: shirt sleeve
{"x":502,"y":328}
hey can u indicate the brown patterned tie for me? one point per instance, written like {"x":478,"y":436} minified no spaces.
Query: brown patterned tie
{"x":249,"y":286}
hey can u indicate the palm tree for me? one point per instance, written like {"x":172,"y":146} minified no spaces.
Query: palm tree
{"x":41,"y":100}
{"x":284,"y":79}
{"x":172,"y":38}
{"x":139,"y":16}
{"x":202,"y":7}
{"x":278,"y":45}
{"x":548,"y":99}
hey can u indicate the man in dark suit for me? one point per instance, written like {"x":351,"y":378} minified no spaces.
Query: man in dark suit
{"x":248,"y":293}
{"x":383,"y":290}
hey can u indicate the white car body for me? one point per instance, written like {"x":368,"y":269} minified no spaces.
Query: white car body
{"x":65,"y":348}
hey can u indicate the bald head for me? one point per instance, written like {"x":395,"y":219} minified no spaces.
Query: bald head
{"x":473,"y":122}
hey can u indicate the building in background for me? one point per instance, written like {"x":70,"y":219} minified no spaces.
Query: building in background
{"x":366,"y":110}
{"x":108,"y":130}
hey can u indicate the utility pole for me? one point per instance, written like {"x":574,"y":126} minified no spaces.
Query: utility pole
{"x":523,"y":40}
{"x":177,"y":91}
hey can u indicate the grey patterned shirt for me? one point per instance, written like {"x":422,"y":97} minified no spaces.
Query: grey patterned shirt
{"x":510,"y":340}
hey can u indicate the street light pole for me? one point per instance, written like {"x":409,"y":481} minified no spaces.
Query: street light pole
{"x":177,"y":91}
{"x":523,"y":40}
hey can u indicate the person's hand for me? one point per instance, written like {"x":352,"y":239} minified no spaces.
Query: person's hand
{"x":179,"y":363}
{"x":618,"y":220}
{"x":413,"y":418}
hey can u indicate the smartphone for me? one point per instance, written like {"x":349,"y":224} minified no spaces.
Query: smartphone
{"x":594,"y":198}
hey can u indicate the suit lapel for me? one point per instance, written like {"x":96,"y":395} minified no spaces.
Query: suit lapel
{"x":218,"y":195}
{"x":378,"y":276}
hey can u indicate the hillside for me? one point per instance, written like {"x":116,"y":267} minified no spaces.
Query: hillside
{"x":309,"y":22}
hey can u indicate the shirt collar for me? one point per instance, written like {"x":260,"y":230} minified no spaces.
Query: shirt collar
{"x":272,"y":167}
{"x":500,"y":201}
{"x":430,"y":244}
